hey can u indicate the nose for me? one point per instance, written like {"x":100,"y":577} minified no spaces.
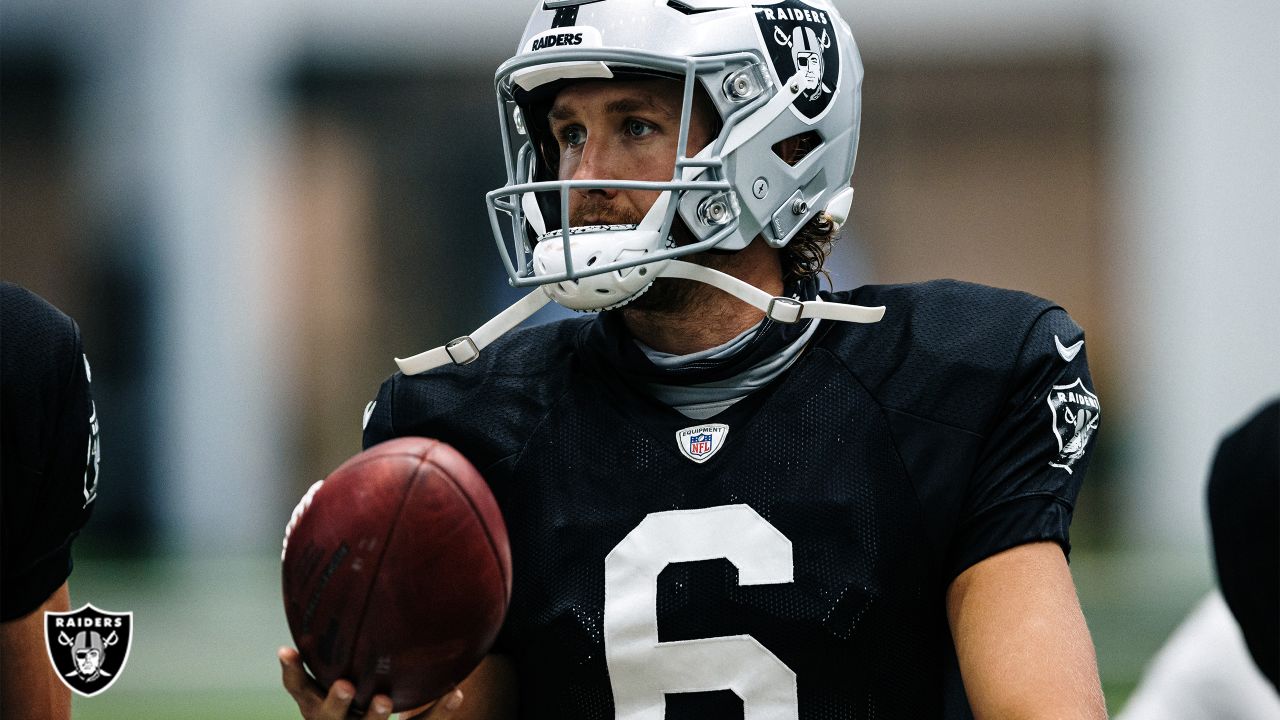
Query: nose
{"x":598,"y":162}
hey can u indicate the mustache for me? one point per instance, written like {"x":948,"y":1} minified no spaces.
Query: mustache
{"x":594,"y":210}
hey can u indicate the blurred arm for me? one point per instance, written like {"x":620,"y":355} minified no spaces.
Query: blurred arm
{"x":1021,"y":639}
{"x":28,"y":681}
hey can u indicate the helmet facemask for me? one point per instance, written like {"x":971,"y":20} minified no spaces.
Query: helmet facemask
{"x":605,"y":266}
{"x":781,"y":70}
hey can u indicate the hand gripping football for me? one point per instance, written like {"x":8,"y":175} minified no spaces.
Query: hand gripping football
{"x":397,"y":572}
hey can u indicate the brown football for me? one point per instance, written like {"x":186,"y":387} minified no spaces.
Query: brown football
{"x":397,"y":572}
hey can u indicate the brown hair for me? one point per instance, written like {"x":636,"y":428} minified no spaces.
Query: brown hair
{"x":804,"y":256}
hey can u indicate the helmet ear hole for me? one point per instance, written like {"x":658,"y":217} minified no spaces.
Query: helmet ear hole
{"x":783,"y":79}
{"x":795,"y":148}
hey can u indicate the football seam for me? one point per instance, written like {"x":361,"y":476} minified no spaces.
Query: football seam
{"x":386,"y":544}
{"x":475,"y":512}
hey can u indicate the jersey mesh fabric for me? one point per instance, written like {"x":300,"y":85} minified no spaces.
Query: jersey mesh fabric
{"x":892,"y":456}
{"x":965,"y":371}
{"x":45,"y":431}
{"x":847,"y":625}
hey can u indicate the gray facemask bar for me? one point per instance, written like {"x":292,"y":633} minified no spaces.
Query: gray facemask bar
{"x":520,"y":167}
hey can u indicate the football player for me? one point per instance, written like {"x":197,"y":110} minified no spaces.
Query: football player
{"x":728,"y":493}
{"x":49,"y":476}
{"x":1223,"y":659}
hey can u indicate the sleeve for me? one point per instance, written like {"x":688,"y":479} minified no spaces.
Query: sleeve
{"x":377,"y":415}
{"x":1034,"y":458}
{"x":51,"y":456}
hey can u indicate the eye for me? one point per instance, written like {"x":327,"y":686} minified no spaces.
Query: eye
{"x":572,"y":135}
{"x":637,"y":128}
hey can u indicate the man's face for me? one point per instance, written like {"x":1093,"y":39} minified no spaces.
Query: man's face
{"x":621,"y":130}
{"x":87,"y":661}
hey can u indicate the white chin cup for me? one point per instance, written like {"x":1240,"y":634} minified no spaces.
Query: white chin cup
{"x":596,"y":246}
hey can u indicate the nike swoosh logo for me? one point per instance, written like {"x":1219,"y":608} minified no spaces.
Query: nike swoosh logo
{"x":368,"y":410}
{"x":1068,"y":353}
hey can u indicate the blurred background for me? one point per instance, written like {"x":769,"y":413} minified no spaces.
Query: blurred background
{"x":252,"y":206}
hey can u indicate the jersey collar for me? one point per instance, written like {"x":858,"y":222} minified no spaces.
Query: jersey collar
{"x":618,"y":351}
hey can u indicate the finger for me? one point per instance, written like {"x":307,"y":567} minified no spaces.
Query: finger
{"x":379,"y":708}
{"x":441,"y":709}
{"x":337,"y":702}
{"x":294,"y":677}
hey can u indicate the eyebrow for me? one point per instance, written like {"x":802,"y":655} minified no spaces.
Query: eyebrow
{"x":621,"y":106}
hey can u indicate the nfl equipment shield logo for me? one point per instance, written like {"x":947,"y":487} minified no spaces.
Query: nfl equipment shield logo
{"x":801,"y":40}
{"x":88,"y":647}
{"x":700,"y":442}
{"x":1076,"y":412}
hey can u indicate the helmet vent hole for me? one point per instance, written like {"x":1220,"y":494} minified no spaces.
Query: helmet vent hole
{"x":592,"y":260}
{"x":602,"y":291}
{"x":797,"y":147}
{"x":644,"y":271}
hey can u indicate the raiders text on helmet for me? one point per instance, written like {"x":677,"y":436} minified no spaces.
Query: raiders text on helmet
{"x":771,"y":70}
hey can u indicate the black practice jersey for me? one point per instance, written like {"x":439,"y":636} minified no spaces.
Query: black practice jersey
{"x":1244,"y":516}
{"x":49,"y":445}
{"x":787,"y":558}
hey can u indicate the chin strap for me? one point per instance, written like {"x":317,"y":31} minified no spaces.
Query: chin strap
{"x":465,"y":349}
{"x":781,"y":309}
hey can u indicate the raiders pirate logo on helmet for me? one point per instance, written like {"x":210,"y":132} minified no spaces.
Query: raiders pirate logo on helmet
{"x":770,"y":70}
{"x":801,"y":39}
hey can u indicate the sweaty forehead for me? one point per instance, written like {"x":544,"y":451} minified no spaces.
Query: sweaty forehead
{"x":617,"y":97}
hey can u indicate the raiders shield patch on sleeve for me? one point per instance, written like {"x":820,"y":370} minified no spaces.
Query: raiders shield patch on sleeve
{"x":1076,"y":412}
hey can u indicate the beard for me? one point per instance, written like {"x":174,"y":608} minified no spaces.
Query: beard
{"x":666,"y":296}
{"x":670,"y":296}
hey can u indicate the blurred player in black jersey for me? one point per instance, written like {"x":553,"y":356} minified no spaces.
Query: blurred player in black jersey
{"x":1223,"y":659}
{"x":49,"y":476}
{"x":729,"y":494}
{"x":1244,"y":515}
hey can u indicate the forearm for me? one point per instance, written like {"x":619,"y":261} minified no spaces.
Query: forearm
{"x":1021,"y":639}
{"x":28,"y":683}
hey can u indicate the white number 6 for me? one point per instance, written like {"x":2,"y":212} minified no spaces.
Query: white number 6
{"x":641,"y":669}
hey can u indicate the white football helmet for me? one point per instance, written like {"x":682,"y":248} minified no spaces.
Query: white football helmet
{"x":772,"y":70}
